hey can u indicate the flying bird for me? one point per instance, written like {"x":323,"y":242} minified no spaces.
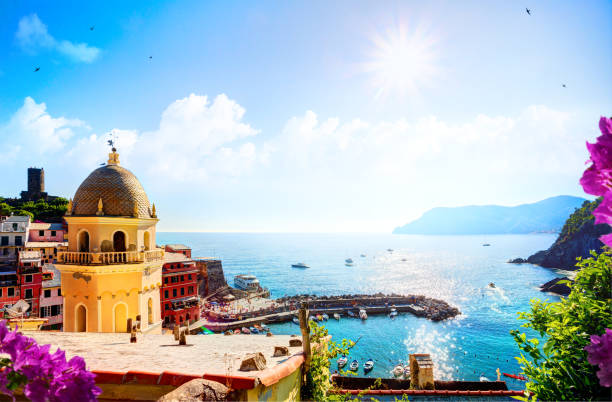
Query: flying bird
{"x":36,"y":69}
{"x":150,"y":57}
{"x":91,"y":28}
{"x":528,"y":11}
{"x":564,"y":86}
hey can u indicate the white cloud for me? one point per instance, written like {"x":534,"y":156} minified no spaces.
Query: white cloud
{"x":32,"y":130}
{"x":32,"y":36}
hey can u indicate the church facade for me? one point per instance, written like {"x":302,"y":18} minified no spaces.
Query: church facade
{"x":112,"y":271}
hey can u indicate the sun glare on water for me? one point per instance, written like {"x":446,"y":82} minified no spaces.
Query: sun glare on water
{"x":402,"y":61}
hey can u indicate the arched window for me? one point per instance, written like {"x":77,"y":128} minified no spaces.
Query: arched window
{"x":150,"y":310}
{"x":147,"y":241}
{"x":81,"y":319}
{"x":119,"y":241}
{"x":83,"y":241}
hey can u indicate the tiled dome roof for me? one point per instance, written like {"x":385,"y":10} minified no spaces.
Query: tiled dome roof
{"x":119,"y":190}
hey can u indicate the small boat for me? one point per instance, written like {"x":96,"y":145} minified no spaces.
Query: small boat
{"x":393,"y":313}
{"x":337,"y":316}
{"x":362,"y":255}
{"x":254,"y":330}
{"x":342,"y":360}
{"x":363,"y":315}
{"x":491,"y":285}
{"x":237,"y":331}
{"x":349,"y":260}
{"x":368,"y":365}
{"x":351,"y":313}
{"x":245,"y":330}
{"x":516,"y":376}
{"x":398,"y":370}
{"x":484,"y":379}
{"x":390,"y":250}
{"x":325,"y":317}
{"x":354,"y":365}
{"x":299,"y":265}
{"x":296,"y":321}
{"x":486,"y":245}
{"x":264,"y":327}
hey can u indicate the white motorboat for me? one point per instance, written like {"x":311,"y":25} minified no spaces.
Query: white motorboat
{"x":354,"y":365}
{"x":349,"y":260}
{"x":337,"y":316}
{"x":390,"y":250}
{"x":484,"y":379}
{"x":296,"y":321}
{"x":342,"y":360}
{"x":363,"y":315}
{"x":398,"y":371}
{"x":325,"y":317}
{"x":362,"y":255}
{"x":393,"y":313}
{"x":300,"y":265}
{"x":368,"y":365}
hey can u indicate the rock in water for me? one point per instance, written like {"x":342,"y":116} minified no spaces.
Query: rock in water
{"x":197,"y":390}
{"x":518,"y":261}
{"x":554,"y":287}
{"x":253,"y":362}
{"x":281,"y":351}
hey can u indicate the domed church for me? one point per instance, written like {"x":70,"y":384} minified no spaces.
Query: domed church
{"x":111,"y":273}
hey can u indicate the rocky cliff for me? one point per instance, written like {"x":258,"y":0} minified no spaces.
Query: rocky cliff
{"x":578,"y":237}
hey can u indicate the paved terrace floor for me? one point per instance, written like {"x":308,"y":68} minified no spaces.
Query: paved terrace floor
{"x":204,"y":354}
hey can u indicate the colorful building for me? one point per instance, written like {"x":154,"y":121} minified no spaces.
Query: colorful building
{"x":179,"y":296}
{"x":30,"y":279}
{"x":9,"y":288}
{"x":13,"y":237}
{"x":51,"y":299}
{"x":178,"y":248}
{"x":112,"y":271}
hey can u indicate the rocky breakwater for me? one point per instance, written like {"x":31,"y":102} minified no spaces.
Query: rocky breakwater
{"x":433,"y":309}
{"x":579,"y":236}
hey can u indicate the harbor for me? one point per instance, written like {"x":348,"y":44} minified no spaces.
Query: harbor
{"x":237,"y":314}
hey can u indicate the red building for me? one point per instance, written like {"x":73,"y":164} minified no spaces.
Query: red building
{"x":9,"y":288}
{"x":178,"y":248}
{"x":179,"y":292}
{"x":30,"y":279}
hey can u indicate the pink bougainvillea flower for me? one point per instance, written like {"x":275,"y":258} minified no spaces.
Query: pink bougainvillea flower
{"x":597,"y":178}
{"x":600,"y":354}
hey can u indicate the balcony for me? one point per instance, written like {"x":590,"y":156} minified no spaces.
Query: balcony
{"x":111,"y":258}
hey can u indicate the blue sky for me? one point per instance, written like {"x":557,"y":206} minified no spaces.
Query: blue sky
{"x":306,"y":116}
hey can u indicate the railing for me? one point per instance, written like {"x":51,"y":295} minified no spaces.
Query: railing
{"x":110,"y":258}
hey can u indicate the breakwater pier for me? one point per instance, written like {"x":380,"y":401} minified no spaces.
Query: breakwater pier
{"x":285,"y":308}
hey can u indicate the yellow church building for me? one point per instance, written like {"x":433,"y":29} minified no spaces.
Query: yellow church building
{"x":112,"y":270}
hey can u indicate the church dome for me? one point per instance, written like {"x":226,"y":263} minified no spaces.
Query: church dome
{"x":120,"y":191}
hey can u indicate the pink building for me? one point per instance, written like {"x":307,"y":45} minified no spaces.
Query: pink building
{"x":46,"y":232}
{"x":51,"y":299}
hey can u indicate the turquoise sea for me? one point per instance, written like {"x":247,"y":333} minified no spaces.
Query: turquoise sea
{"x":457,"y":269}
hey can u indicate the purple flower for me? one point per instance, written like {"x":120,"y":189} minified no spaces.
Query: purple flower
{"x":597,"y":178}
{"x":44,"y":376}
{"x":600,"y":354}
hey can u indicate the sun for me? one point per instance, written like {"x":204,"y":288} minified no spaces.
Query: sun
{"x":401,"y":62}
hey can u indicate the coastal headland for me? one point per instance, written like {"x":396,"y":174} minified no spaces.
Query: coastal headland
{"x":284,"y":309}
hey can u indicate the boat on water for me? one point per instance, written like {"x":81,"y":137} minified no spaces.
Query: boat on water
{"x":362,"y":255}
{"x":486,"y":245}
{"x":362,"y":314}
{"x":390,"y":250}
{"x":254,"y":330}
{"x":354,"y":365}
{"x":516,"y":376}
{"x":299,"y":265}
{"x":351,"y":313}
{"x":398,"y":371}
{"x":484,"y":379}
{"x":491,"y":285}
{"x":337,"y":316}
{"x":264,"y":327}
{"x":325,"y":317}
{"x":246,"y":282}
{"x":368,"y":365}
{"x":245,"y":330}
{"x":349,"y":260}
{"x":393,"y":313}
{"x":296,"y":320}
{"x":342,"y":360}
